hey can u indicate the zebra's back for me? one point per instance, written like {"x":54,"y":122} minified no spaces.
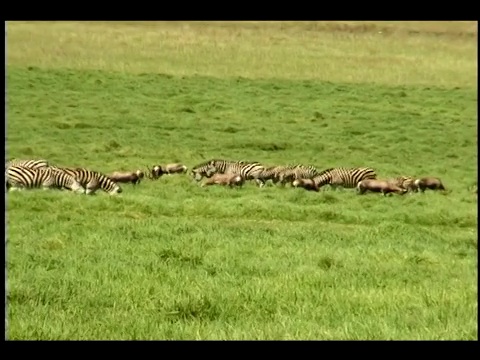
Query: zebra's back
{"x":22,"y":177}
{"x":28,"y":163}
{"x":299,"y":172}
{"x":208,"y":168}
{"x":344,"y":177}
{"x":93,"y":180}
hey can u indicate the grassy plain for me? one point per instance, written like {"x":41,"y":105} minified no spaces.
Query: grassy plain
{"x":171,"y":260}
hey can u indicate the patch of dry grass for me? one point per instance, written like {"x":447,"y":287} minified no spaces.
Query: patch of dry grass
{"x":395,"y":53}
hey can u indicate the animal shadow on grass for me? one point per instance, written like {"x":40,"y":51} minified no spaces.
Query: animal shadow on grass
{"x":194,"y":308}
{"x":169,"y":255}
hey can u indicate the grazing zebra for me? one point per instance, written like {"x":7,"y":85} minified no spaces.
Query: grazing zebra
{"x":21,"y":177}
{"x":247,"y":170}
{"x":93,"y":180}
{"x":344,"y":177}
{"x":287,"y":173}
{"x":405,"y":182}
{"x":271,"y":173}
{"x":206,"y":169}
{"x":294,"y":172}
{"x":31,"y":164}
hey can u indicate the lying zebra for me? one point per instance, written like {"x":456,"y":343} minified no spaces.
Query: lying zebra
{"x":92,"y":180}
{"x":247,"y":170}
{"x":21,"y":177}
{"x":287,"y":174}
{"x":337,"y":177}
{"x":31,"y":164}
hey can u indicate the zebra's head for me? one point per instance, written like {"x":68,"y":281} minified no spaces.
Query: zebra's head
{"x":196,"y":174}
{"x":203,"y":170}
{"x":116,"y":189}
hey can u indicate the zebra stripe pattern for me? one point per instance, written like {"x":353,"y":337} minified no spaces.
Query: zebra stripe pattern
{"x":31,"y":164}
{"x":21,"y":177}
{"x":344,"y":177}
{"x":206,"y":169}
{"x":405,"y":182}
{"x":295,"y":172}
{"x":247,"y":170}
{"x":93,"y":180}
{"x":271,"y":173}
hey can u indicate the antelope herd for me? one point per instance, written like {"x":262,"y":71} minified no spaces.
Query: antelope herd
{"x":39,"y":173}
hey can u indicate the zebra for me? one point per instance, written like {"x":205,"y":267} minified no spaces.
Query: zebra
{"x":206,"y":169}
{"x":31,"y":164}
{"x":248,"y":170}
{"x":287,"y":173}
{"x":294,"y":172}
{"x":21,"y":177}
{"x":344,"y":177}
{"x":93,"y":180}
{"x":405,"y":182}
{"x":203,"y":169}
{"x":271,"y":173}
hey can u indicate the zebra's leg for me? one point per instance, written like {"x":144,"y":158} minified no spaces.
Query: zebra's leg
{"x":360,"y":190}
{"x":260,"y":182}
{"x":90,"y":191}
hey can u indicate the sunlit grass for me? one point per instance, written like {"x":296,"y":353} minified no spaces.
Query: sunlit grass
{"x":170,"y":260}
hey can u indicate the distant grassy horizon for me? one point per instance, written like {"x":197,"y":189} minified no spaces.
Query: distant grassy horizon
{"x":392,"y":53}
{"x":170,"y":260}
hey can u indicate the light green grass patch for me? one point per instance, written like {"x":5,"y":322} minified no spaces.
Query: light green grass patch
{"x":170,"y":260}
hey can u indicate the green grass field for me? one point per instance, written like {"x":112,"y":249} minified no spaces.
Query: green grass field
{"x":171,"y":260}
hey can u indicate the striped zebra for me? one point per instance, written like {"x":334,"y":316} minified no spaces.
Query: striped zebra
{"x":207,"y":169}
{"x":271,"y":173}
{"x":248,"y":170}
{"x":288,"y":173}
{"x":405,"y":182}
{"x":21,"y":177}
{"x":344,"y":177}
{"x":31,"y":164}
{"x":295,"y":172}
{"x":92,"y":180}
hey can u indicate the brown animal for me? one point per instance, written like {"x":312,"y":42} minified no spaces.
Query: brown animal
{"x":383,"y":186}
{"x":307,"y":184}
{"x":159,"y":170}
{"x":225,"y":179}
{"x":429,"y":182}
{"x":126,"y":177}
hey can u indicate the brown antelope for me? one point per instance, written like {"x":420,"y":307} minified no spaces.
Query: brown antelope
{"x":129,"y":176}
{"x":383,"y":186}
{"x":159,"y":170}
{"x":225,"y":179}
{"x":432,"y":183}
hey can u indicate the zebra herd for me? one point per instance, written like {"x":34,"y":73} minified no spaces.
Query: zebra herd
{"x":26,"y":174}
{"x":29,"y":174}
{"x":309,"y":178}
